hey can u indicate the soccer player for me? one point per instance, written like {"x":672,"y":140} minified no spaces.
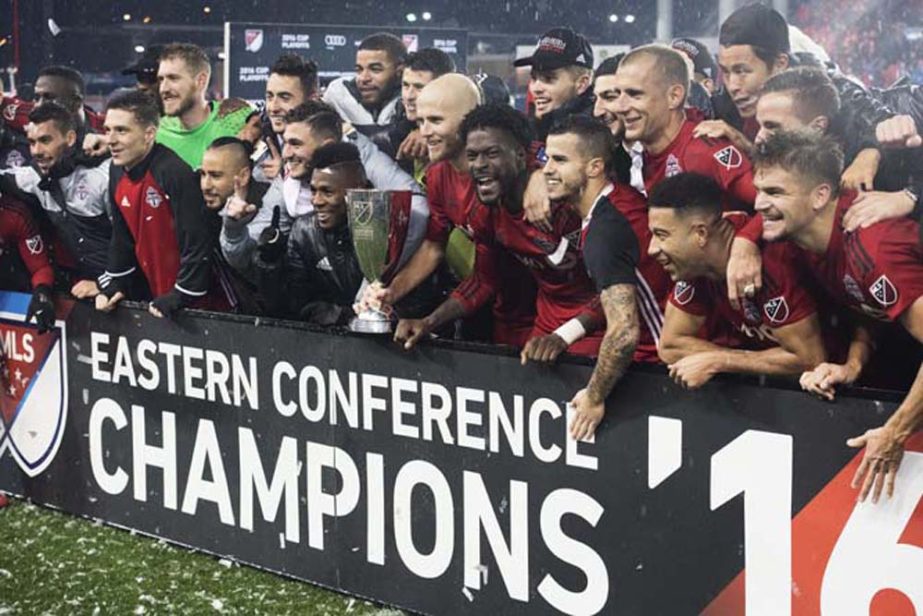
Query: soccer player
{"x":876,"y":271}
{"x":777,"y":332}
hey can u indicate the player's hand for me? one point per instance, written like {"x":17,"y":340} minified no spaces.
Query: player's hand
{"x":271,"y":242}
{"x":587,"y":415}
{"x":898,"y":132}
{"x":693,"y":371}
{"x":237,"y":207}
{"x":878,"y":469}
{"x":85,"y":289}
{"x":95,"y":145}
{"x":545,"y":349}
{"x":375,"y":297}
{"x":105,"y":303}
{"x":823,"y":379}
{"x":875,"y":206}
{"x":413,"y":147}
{"x":41,"y":308}
{"x":410,"y":331}
{"x":744,"y":271}
{"x":167,"y":304}
{"x":536,"y":204}
{"x":719,"y":129}
{"x":860,"y":175}
{"x":272,"y":165}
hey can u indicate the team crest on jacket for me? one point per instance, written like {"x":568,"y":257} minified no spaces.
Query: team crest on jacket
{"x":683,"y":292}
{"x":776,"y":309}
{"x":729,"y":157}
{"x":34,"y":244}
{"x":9,"y":112}
{"x":884,"y":291}
{"x":33,"y":388}
{"x":152,"y":197}
{"x":672,"y":166}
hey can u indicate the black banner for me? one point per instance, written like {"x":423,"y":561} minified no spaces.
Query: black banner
{"x":443,"y":480}
{"x":251,"y":48}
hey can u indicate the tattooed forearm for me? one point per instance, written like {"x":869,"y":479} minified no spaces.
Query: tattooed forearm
{"x":618,"y":345}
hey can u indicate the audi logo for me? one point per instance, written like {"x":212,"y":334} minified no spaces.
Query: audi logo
{"x":335,"y":40}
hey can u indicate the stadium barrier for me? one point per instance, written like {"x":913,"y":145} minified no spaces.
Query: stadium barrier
{"x":442,"y":480}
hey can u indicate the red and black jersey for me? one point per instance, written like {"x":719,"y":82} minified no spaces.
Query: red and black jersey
{"x":160,"y":225}
{"x":452,"y":202}
{"x":718,"y":159}
{"x":783,"y":299}
{"x":19,"y":235}
{"x":15,"y":113}
{"x":877,"y":271}
{"x":616,"y":236}
{"x":554,"y":260}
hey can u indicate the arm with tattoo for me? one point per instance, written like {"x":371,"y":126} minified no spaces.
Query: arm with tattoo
{"x":618,"y":345}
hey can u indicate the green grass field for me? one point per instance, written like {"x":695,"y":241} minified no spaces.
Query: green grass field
{"x":53,"y":563}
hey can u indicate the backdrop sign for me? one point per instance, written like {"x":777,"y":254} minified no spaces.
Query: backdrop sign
{"x":251,"y":49}
{"x":442,"y":480}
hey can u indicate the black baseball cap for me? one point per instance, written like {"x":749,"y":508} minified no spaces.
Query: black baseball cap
{"x":757,"y":25}
{"x":558,"y":48}
{"x":702,"y":59}
{"x":145,"y":67}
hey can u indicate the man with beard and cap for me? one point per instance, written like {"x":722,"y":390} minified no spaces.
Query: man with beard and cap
{"x":754,"y":44}
{"x":497,"y":140}
{"x":72,"y":192}
{"x":441,"y":107}
{"x":292,"y":82}
{"x":777,"y":332}
{"x":191,"y":123}
{"x":632,"y":286}
{"x":160,"y":226}
{"x":370,"y":100}
{"x":877,"y":272}
{"x":561,"y":78}
{"x":652,"y":82}
{"x":145,"y":70}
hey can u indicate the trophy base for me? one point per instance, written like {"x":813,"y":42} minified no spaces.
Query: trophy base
{"x":371,"y":322}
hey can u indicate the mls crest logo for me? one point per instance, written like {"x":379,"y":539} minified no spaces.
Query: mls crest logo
{"x":683,"y":292}
{"x":729,"y":157}
{"x":33,"y":388}
{"x":884,"y":291}
{"x":34,"y":244}
{"x":776,"y":309}
{"x":411,"y":42}
{"x":253,"y":40}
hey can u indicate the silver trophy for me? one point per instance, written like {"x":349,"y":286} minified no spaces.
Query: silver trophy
{"x":378,"y":221}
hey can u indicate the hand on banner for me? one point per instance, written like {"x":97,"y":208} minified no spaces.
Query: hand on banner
{"x":823,"y":379}
{"x":167,"y":304}
{"x":545,"y":349}
{"x":693,"y":371}
{"x":875,"y":206}
{"x":237,"y":206}
{"x":860,"y":175}
{"x":271,"y":243}
{"x":410,"y":331}
{"x":898,"y":132}
{"x":744,"y":271}
{"x":41,"y":307}
{"x":587,"y":415}
{"x":85,"y":289}
{"x":878,"y":469}
{"x":272,"y":165}
{"x":413,"y":147}
{"x":108,"y":304}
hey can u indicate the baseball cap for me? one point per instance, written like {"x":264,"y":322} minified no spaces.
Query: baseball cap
{"x":758,"y":25}
{"x":558,"y":48}
{"x":701,"y":58}
{"x":146,"y":65}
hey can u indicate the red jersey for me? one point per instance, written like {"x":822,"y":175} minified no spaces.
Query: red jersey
{"x":15,"y":113}
{"x":19,"y":235}
{"x":453,"y":202}
{"x":718,"y":159}
{"x":615,"y":239}
{"x":876,"y":271}
{"x":554,"y":260}
{"x":783,"y":300}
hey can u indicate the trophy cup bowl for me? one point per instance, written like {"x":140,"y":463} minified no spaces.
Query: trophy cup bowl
{"x":377,"y":222}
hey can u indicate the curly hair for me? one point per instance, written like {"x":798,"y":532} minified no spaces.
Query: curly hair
{"x":500,"y":117}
